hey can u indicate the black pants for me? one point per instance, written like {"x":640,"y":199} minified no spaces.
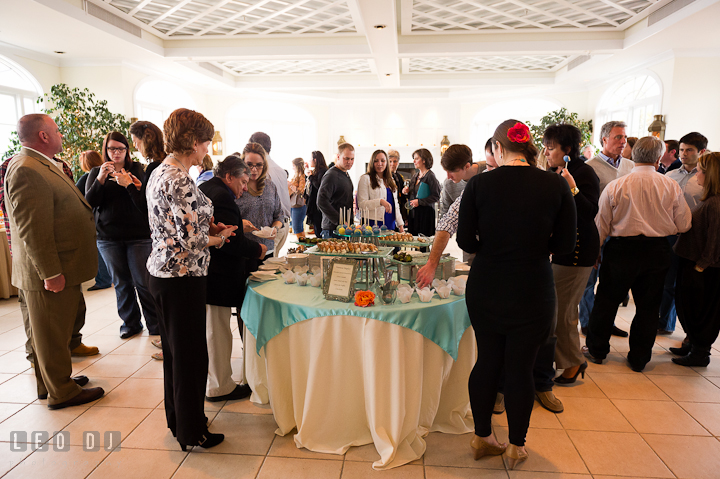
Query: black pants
{"x":315,"y":219}
{"x":181,"y":314}
{"x":633,"y":263}
{"x":543,"y":369}
{"x":697,"y":298}
{"x":515,"y":355}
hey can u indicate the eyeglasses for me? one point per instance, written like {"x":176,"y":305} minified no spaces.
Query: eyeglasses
{"x":252,"y":166}
{"x":112,"y":149}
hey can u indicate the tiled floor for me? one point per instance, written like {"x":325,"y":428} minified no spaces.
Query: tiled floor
{"x":663,"y":423}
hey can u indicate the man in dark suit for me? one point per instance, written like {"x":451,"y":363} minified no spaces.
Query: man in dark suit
{"x":53,"y":233}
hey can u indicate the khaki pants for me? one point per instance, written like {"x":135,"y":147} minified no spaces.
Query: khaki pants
{"x":570,"y":282}
{"x":52,"y":318}
{"x":219,"y":344}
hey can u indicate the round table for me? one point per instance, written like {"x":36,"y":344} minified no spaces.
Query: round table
{"x":348,"y":376}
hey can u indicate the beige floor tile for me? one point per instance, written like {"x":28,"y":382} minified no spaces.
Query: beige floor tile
{"x":8,"y":409}
{"x":237,"y":348}
{"x":106,"y":344}
{"x":366,"y":453}
{"x":659,"y":417}
{"x":102,"y":419}
{"x":714,"y":380}
{"x":541,"y":418}
{"x":36,"y":417}
{"x":707,"y":414}
{"x":614,"y":363}
{"x":584,"y":388}
{"x":137,"y":345}
{"x":688,"y":388}
{"x":436,"y":472}
{"x":6,"y":376}
{"x":135,"y":392}
{"x":10,"y":458}
{"x":454,"y":450}
{"x":79,"y":365}
{"x":246,"y":406}
{"x":244,"y":433}
{"x":219,"y":466}
{"x":546,"y":475}
{"x":13,"y":339}
{"x":713,"y":369}
{"x":616,"y":453}
{"x":688,"y":457}
{"x":153,"y":433}
{"x":20,"y":389}
{"x":621,"y":477}
{"x":662,"y":364}
{"x":152,"y":370}
{"x":282,"y":467}
{"x":362,"y":470}
{"x":139,"y":464}
{"x":72,"y":464}
{"x":116,"y":365}
{"x":628,"y":386}
{"x":284,"y":446}
{"x":14,"y":362}
{"x":593,"y":414}
{"x":549,"y":450}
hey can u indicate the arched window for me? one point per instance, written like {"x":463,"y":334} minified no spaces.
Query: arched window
{"x":19,"y":91}
{"x":487,"y":119}
{"x":633,"y":100}
{"x":293,"y":130}
{"x":156,"y":99}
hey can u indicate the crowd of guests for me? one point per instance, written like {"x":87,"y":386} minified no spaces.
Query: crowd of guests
{"x":643,"y":216}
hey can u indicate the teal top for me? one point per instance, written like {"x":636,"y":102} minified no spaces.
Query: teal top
{"x":272,"y":306}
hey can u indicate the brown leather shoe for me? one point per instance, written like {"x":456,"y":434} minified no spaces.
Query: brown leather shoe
{"x":85,"y":396}
{"x":548,"y":400}
{"x":83,"y":350}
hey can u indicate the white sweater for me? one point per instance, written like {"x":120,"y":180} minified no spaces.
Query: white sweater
{"x":367,"y":197}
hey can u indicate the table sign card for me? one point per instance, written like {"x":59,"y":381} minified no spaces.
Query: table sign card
{"x":339,"y":283}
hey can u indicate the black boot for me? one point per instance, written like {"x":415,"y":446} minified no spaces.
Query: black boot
{"x":698,"y":357}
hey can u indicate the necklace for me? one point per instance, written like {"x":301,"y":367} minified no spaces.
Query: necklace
{"x":179,"y":163}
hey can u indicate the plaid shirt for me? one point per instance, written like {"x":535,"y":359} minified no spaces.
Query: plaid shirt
{"x":3,"y":170}
{"x":449,"y":221}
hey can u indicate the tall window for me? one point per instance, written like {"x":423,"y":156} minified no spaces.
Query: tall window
{"x":634,"y":100}
{"x":156,"y":99}
{"x":293,"y":130}
{"x":18,"y":94}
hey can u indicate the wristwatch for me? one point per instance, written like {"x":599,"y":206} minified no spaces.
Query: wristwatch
{"x":222,"y":241}
{"x":575,"y":191}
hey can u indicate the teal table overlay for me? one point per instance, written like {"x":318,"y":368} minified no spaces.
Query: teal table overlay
{"x":272,"y":306}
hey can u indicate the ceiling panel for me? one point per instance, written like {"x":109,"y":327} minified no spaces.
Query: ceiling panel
{"x":297,"y":67}
{"x":516,"y":63}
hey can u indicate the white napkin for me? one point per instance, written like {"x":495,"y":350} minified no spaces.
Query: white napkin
{"x":404,"y":294}
{"x":289,"y":277}
{"x":317,"y":271}
{"x":438,"y":283}
{"x":403,"y":286}
{"x":458,"y":280}
{"x":301,"y":269}
{"x":458,"y":289}
{"x":316,"y":280}
{"x":302,"y":279}
{"x":444,"y":291}
{"x":425,"y":294}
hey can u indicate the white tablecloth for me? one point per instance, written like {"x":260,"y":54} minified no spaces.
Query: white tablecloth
{"x":347,"y":381}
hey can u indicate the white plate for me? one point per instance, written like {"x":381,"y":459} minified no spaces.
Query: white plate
{"x":275,"y":260}
{"x":262,"y":276}
{"x":260,"y":234}
{"x":269,"y":267}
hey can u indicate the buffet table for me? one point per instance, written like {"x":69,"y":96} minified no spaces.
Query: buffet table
{"x":349,"y":376}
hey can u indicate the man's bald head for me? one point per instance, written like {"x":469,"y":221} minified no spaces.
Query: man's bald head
{"x":39,"y":132}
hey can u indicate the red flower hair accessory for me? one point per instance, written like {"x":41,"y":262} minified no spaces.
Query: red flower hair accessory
{"x":519,"y":133}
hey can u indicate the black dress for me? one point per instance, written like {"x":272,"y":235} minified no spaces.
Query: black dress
{"x":513,"y":218}
{"x":421,"y":219}
{"x":313,"y":212}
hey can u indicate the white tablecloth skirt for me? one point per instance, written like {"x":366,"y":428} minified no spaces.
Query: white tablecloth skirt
{"x":347,"y":381}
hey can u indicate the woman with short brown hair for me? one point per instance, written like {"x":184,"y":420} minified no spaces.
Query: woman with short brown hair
{"x":423,"y":192}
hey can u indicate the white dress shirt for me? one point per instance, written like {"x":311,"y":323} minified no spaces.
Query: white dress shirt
{"x":642,"y":203}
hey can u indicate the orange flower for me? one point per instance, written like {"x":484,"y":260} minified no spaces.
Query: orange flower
{"x":364,"y":298}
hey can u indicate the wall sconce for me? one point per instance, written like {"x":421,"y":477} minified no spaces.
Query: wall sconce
{"x":217,"y":144}
{"x":341,"y":140}
{"x":444,"y":145}
{"x":657,"y":127}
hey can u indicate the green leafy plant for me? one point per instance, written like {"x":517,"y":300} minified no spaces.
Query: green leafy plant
{"x":82,"y":119}
{"x":560,"y":116}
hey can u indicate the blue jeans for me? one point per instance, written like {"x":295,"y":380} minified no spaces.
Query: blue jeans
{"x":297,"y":216}
{"x":327,"y":234}
{"x":126,"y":261}
{"x":102,"y":278}
{"x":668,"y":315}
{"x":588,"y":298}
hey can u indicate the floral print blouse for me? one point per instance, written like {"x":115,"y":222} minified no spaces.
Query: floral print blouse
{"x":179,"y":215}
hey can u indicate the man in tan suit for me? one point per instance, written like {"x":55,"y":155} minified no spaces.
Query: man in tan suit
{"x":53,"y":233}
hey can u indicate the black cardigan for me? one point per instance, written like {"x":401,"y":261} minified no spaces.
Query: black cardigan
{"x":120,"y":213}
{"x":587,"y":244}
{"x":431,"y":181}
{"x":226,"y":273}
{"x":314,"y":181}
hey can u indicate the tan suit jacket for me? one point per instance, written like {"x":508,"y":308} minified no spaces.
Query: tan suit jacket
{"x":51,"y":224}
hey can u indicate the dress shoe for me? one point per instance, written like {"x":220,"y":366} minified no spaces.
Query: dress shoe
{"x":590,"y":357}
{"x":159,"y":356}
{"x":85,"y":396}
{"x":208,"y":440}
{"x":157,"y":343}
{"x":618,"y":332}
{"x":549,"y":401}
{"x":126,"y":332}
{"x":241,"y":391}
{"x":569,"y":380}
{"x":83,"y":350}
{"x":664,"y":332}
{"x":691,"y":359}
{"x":515,"y":456}
{"x":483,"y":448}
{"x":683,"y":350}
{"x":79,"y":380}
{"x":499,"y":406}
{"x":635,"y":367}
{"x":95,"y":287}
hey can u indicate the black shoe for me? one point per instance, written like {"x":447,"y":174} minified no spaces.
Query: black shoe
{"x":85,"y":396}
{"x":126,"y":332}
{"x":635,"y":367}
{"x":590,"y":357}
{"x":79,"y":380}
{"x":581,"y":370}
{"x":208,"y":440}
{"x":241,"y":391}
{"x":683,"y":350}
{"x":664,"y":332}
{"x":692,"y":359}
{"x":619,"y":332}
{"x":584,"y":330}
{"x":95,"y":287}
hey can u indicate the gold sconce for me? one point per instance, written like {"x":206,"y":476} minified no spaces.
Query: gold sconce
{"x":444,"y":145}
{"x":341,"y":140}
{"x":217,"y":144}
{"x":657,"y":127}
